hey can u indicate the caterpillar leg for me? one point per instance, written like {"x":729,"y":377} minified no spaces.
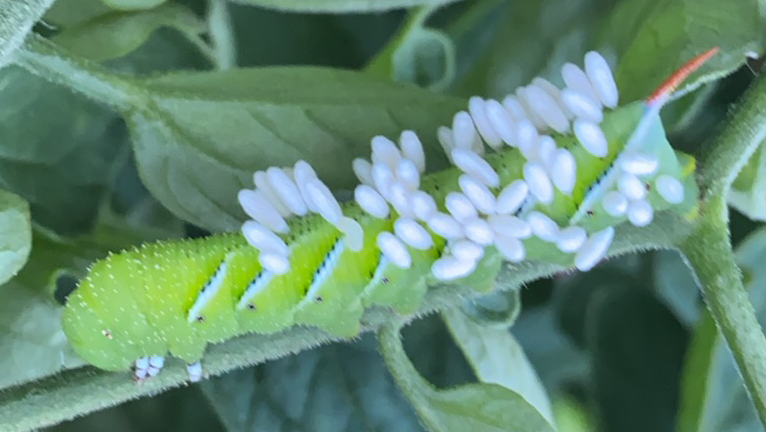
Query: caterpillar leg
{"x":155,"y":365}
{"x":147,"y":367}
{"x":195,"y":371}
{"x":141,"y":370}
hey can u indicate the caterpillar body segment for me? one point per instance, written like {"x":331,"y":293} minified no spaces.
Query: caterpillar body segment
{"x":543,"y":193}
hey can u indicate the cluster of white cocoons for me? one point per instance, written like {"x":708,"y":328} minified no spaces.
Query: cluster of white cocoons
{"x":392,"y":180}
{"x":524,"y":120}
{"x":632,"y":177}
{"x":283,"y":192}
{"x":476,"y":217}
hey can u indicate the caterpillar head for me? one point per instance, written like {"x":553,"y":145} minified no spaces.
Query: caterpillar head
{"x":94,"y":339}
{"x":102,"y":320}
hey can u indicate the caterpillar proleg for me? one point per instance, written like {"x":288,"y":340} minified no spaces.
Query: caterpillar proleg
{"x":544,"y":174}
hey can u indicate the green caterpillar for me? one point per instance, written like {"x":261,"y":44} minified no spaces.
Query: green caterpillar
{"x":561,"y":175}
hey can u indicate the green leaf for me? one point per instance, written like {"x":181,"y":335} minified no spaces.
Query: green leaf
{"x":635,"y":391}
{"x":571,"y":416}
{"x":688,"y":27}
{"x":229,"y":124}
{"x":16,"y":21}
{"x":644,"y":40}
{"x":713,"y":397}
{"x":748,"y":192}
{"x":116,"y":34}
{"x":497,"y":358}
{"x":417,"y":54}
{"x":528,"y":39}
{"x":60,"y":158}
{"x":15,"y":234}
{"x":474,"y":407}
{"x":342,"y":5}
{"x":309,"y":39}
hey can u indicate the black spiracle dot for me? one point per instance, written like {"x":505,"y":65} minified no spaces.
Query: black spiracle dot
{"x":648,"y":187}
{"x":384,"y":280}
{"x":200,"y":319}
{"x":589,"y":212}
{"x":318,"y":299}
{"x":250,"y":306}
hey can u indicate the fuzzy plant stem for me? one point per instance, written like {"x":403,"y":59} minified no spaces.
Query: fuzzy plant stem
{"x":221,"y":34}
{"x":708,"y":249}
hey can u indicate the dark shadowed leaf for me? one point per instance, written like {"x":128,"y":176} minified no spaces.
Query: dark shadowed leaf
{"x":675,"y":286}
{"x":343,"y":387}
{"x":57,"y":152}
{"x":638,"y":348}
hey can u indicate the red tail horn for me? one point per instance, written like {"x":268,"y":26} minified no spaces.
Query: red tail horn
{"x":674,"y":80}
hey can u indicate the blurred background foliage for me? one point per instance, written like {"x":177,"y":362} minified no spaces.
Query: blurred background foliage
{"x":626,"y":347}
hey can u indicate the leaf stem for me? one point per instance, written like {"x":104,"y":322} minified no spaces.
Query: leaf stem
{"x":221,"y":34}
{"x":407,"y":378}
{"x":43,"y":58}
{"x":16,"y":21}
{"x":708,"y":252}
{"x":708,"y":249}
